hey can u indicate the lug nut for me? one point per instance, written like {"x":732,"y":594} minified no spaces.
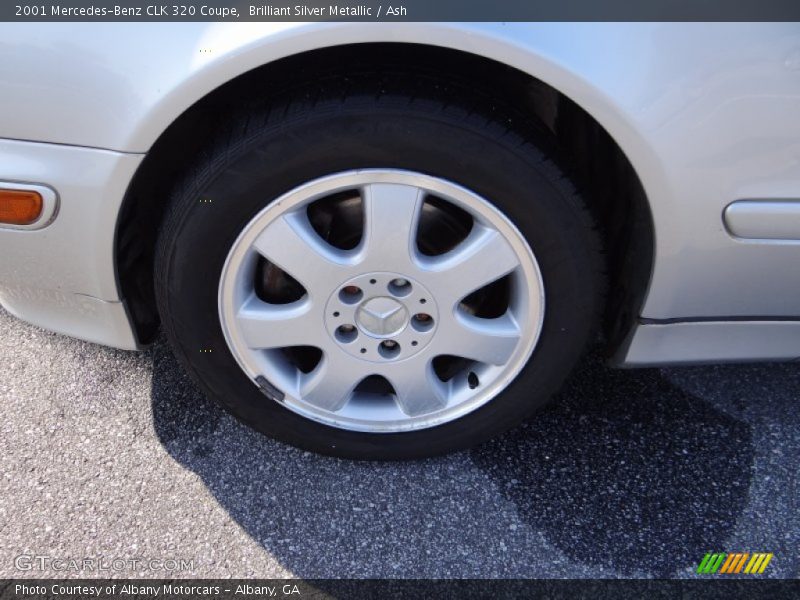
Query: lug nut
{"x":389,"y":349}
{"x":346,"y":333}
{"x":422,"y":322}
{"x":350,"y":294}
{"x":400,"y":286}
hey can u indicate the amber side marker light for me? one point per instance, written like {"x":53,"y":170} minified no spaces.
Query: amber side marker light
{"x":20,"y":207}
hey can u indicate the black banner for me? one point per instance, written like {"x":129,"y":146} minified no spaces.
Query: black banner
{"x":456,"y":589}
{"x":403,"y":10}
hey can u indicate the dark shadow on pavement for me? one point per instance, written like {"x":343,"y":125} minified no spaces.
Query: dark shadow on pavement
{"x":624,"y":472}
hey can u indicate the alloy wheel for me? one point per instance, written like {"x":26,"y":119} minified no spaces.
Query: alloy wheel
{"x":381,"y":334}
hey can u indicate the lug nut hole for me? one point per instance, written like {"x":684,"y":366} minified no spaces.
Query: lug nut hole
{"x":346,"y":333}
{"x":399,"y":287}
{"x":350,"y":294}
{"x":363,"y":351}
{"x":389,"y":349}
{"x":422,"y":322}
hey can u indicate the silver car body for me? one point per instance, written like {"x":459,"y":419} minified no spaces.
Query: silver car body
{"x":707,"y":114}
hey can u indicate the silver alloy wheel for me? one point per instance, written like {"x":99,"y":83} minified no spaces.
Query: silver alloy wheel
{"x":383,"y":308}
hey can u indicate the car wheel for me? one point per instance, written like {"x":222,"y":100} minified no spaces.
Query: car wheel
{"x":377,"y":276}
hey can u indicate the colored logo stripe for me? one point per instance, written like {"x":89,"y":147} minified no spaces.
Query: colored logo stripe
{"x":710,"y":563}
{"x":734,"y":562}
{"x":758,"y":563}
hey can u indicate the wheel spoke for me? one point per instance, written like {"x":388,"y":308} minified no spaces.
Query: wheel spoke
{"x":490,"y":341}
{"x":391,"y":216}
{"x":330,"y":385}
{"x":483,"y":257}
{"x":291,"y":243}
{"x":278,"y":325}
{"x":418,"y":390}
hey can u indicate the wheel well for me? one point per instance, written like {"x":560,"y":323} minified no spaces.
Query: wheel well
{"x":582,"y":147}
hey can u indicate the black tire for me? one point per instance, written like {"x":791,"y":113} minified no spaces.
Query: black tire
{"x":270,"y":150}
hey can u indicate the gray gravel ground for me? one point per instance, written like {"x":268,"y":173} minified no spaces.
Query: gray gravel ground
{"x":630,"y":473}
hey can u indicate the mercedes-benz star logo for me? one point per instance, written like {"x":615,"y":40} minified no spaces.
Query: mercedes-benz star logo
{"x":382,"y":317}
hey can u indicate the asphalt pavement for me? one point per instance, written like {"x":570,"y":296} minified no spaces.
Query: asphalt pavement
{"x":116,"y":457}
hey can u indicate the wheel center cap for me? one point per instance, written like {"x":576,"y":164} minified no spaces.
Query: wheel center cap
{"x":382,"y":317}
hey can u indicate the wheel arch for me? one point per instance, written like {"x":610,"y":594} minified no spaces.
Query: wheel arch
{"x":594,"y":146}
